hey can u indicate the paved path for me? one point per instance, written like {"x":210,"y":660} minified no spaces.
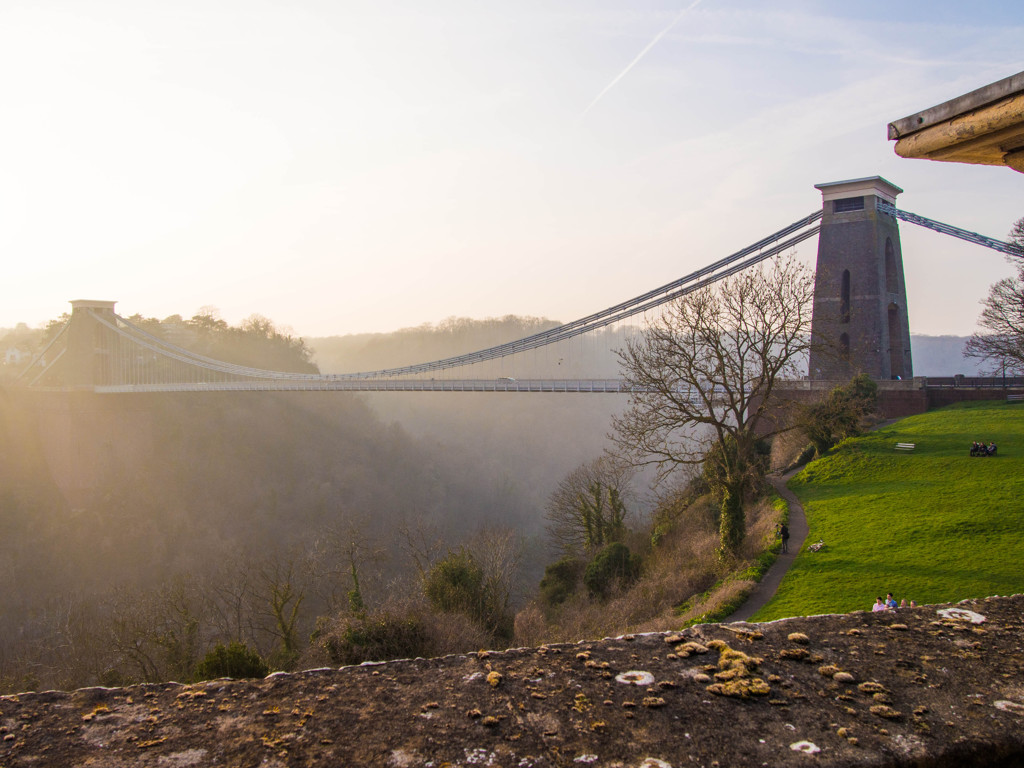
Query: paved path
{"x":766,"y":588}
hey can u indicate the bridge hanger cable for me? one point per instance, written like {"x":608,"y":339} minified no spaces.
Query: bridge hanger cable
{"x":36,"y":358}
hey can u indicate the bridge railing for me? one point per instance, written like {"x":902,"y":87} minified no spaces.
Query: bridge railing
{"x":607,"y":386}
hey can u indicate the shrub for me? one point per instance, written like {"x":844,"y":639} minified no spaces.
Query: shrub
{"x":456,"y":585}
{"x":236,"y":660}
{"x":841,"y":414}
{"x":613,"y":566}
{"x":560,"y":580}
{"x":378,"y":638}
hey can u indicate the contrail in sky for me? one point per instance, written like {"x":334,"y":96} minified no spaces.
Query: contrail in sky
{"x":640,"y":55}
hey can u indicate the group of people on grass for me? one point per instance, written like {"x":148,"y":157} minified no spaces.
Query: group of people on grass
{"x":890,"y":604}
{"x":980,"y":449}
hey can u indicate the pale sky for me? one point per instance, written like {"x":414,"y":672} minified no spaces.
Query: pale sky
{"x":343,"y":167}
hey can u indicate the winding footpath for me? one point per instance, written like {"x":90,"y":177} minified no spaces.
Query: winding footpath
{"x":769,"y":584}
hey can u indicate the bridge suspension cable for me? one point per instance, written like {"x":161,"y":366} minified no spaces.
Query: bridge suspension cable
{"x":173,"y":367}
{"x":729,"y":265}
{"x":776,"y":243}
{"x":948,"y":229}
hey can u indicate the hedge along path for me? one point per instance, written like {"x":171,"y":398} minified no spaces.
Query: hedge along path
{"x":935,"y":525}
{"x":769,"y":584}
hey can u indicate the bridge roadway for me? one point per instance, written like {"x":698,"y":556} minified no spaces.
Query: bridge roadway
{"x":504,"y":384}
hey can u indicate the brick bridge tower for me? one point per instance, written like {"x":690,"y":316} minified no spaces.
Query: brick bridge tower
{"x":860,"y":320}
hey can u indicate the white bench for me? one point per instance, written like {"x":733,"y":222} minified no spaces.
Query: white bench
{"x":1015,"y":398}
{"x":905,"y":446}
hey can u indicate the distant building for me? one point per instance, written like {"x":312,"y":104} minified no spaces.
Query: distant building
{"x":15,"y":356}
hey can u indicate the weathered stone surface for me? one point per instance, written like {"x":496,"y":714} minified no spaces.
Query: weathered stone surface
{"x":948,"y":690}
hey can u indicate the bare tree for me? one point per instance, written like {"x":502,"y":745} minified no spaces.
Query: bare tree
{"x":158,"y":633}
{"x":1001,"y":342}
{"x":422,"y":542}
{"x":703,"y":377}
{"x":284,"y":589}
{"x":336,"y":562}
{"x":499,"y":552}
{"x":1016,"y":236}
{"x":587,"y":510}
{"x":233,"y":598}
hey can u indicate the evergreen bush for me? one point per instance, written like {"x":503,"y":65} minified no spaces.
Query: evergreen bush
{"x":613,"y":566}
{"x":378,"y":638}
{"x":236,"y":660}
{"x":560,"y":580}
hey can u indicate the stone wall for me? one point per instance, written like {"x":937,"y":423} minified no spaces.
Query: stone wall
{"x":928,"y":686}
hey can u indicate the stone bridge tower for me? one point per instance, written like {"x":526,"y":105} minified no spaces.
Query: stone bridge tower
{"x":860,"y":320}
{"x":87,"y":359}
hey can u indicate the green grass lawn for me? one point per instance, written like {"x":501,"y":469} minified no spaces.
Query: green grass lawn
{"x":935,"y":525}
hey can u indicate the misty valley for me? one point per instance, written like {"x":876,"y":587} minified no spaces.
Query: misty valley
{"x":176,"y":536}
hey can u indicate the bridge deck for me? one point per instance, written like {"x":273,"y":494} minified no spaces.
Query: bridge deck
{"x":608,"y":386}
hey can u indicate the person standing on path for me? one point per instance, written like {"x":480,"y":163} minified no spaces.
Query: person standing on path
{"x":784,"y":533}
{"x":796,"y":527}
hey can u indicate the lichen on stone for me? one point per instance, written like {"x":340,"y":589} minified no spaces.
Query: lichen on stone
{"x":689,"y":649}
{"x":807,"y":747}
{"x":885,"y":711}
{"x":961,"y":614}
{"x":581,"y":703}
{"x":871,"y":687}
{"x":797,"y":654}
{"x":635,"y":677}
{"x":1014,"y":707}
{"x":734,"y":675}
{"x":743,"y":688}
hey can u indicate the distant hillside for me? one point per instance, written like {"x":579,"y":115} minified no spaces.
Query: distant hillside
{"x":942,"y":356}
{"x":595,"y":357}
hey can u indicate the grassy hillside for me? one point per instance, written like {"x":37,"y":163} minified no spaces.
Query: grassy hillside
{"x":934,"y":525}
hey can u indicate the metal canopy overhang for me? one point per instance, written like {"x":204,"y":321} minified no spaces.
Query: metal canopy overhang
{"x":983,"y":127}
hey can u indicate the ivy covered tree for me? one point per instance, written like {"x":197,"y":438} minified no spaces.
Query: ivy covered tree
{"x":588,"y":510}
{"x":706,"y":372}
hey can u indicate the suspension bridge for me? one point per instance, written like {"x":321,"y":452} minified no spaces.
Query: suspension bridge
{"x":100,"y":351}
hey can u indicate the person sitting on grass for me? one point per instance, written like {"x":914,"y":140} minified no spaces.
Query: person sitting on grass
{"x":991,"y":450}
